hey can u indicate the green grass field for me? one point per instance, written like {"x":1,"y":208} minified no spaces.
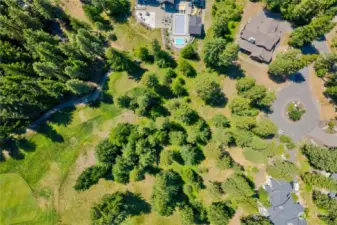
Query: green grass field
{"x":255,"y":156}
{"x":17,"y":203}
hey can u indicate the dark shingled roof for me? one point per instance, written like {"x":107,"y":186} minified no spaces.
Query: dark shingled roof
{"x":163,"y":1}
{"x":284,"y":209}
{"x":195,"y":25}
{"x":260,"y":36}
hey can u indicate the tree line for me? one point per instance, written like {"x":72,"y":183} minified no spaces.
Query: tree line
{"x":46,"y":57}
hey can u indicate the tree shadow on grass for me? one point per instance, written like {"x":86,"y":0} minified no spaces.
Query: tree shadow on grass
{"x":64,"y":116}
{"x":12,"y":147}
{"x":48,"y":131}
{"x":26,"y":145}
{"x":218,"y":101}
{"x":139,"y":205}
{"x":232,"y":71}
{"x":136,"y":73}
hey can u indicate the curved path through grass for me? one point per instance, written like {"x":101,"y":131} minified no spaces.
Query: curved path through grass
{"x":73,"y":102}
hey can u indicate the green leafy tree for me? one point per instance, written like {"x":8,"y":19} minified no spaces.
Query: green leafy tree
{"x":325,"y":65}
{"x":191,"y":155}
{"x":49,"y":70}
{"x":79,"y":87}
{"x":283,"y":170}
{"x":177,"y":87}
{"x":150,"y":80}
{"x":213,"y":50}
{"x":220,"y":121}
{"x":255,"y":220}
{"x":245,"y":122}
{"x":288,"y":63}
{"x":219,"y":213}
{"x":241,"y":107}
{"x":237,"y":186}
{"x":118,"y":60}
{"x":165,"y":193}
{"x":244,"y":84}
{"x":186,"y":215}
{"x":177,"y":137}
{"x":306,"y":34}
{"x":121,"y":170}
{"x":209,"y":90}
{"x":119,"y":135}
{"x":188,"y":52}
{"x":115,"y":208}
{"x":319,"y":181}
{"x":115,"y":8}
{"x":143,"y":54}
{"x":182,"y":112}
{"x":186,"y":68}
{"x":323,"y":201}
{"x":106,"y":152}
{"x":220,"y":26}
{"x":89,"y":44}
{"x":167,"y":157}
{"x":320,"y":157}
{"x":168,"y":76}
{"x":229,"y":55}
{"x":265,"y":128}
{"x":89,"y":177}
{"x":243,"y":138}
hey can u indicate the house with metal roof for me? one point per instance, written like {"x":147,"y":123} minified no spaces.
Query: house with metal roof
{"x":284,"y":209}
{"x":260,"y":36}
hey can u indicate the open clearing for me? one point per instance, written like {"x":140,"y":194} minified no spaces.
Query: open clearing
{"x":17,"y":203}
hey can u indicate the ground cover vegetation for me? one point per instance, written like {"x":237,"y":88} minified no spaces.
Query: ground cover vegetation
{"x":295,"y":112}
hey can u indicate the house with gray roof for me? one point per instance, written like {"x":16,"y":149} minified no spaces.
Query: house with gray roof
{"x":259,"y":37}
{"x":195,"y":25}
{"x":284,"y":210}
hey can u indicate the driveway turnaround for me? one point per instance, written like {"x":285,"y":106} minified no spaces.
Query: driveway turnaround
{"x":299,"y":90}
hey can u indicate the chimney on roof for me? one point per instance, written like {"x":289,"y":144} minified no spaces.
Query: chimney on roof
{"x":251,"y":40}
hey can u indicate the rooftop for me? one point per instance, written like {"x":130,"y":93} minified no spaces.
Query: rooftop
{"x":260,"y":37}
{"x":284,"y":209}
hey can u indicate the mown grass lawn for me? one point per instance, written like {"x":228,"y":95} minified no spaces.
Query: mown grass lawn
{"x":255,"y":156}
{"x":17,"y":203}
{"x":52,"y":151}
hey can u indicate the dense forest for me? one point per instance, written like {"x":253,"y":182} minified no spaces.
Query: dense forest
{"x":46,"y":57}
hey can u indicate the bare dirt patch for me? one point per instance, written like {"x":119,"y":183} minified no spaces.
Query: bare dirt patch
{"x":236,"y":218}
{"x":327,"y":110}
{"x":259,"y":71}
{"x":330,"y":36}
{"x":74,"y":8}
{"x":237,"y":155}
